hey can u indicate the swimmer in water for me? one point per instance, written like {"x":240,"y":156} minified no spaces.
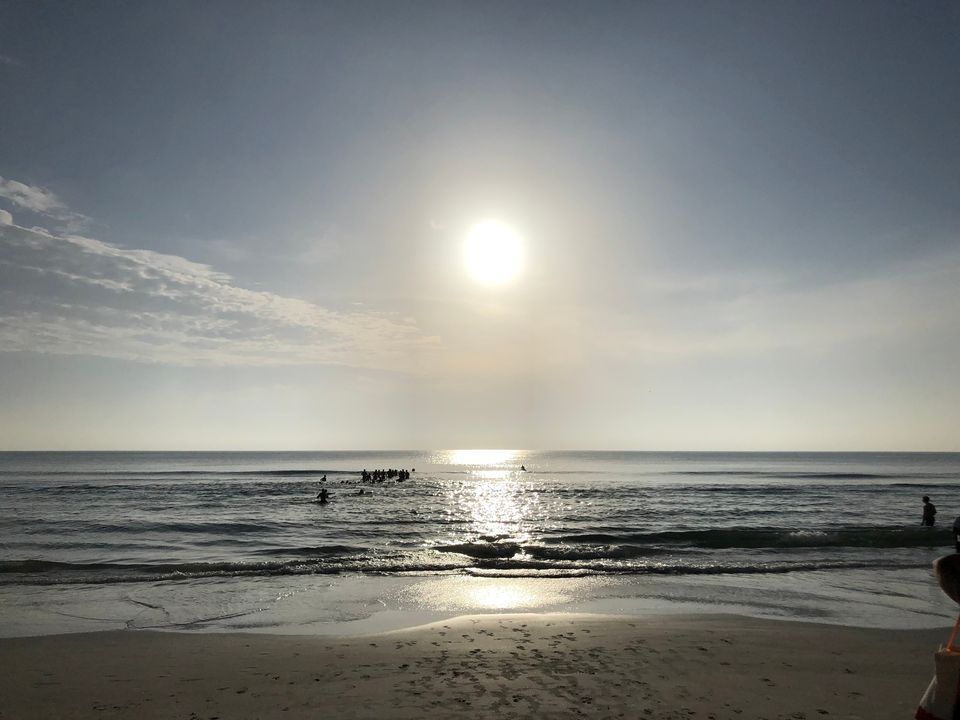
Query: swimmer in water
{"x":929,"y":512}
{"x":323,"y":496}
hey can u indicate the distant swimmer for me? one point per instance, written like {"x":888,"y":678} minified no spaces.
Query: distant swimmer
{"x":323,"y":496}
{"x":523,"y":468}
{"x":362,"y":492}
{"x":929,"y":512}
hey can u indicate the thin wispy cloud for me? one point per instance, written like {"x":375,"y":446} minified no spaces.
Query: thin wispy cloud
{"x":41,"y":201}
{"x":30,"y":197}
{"x":75,"y":295}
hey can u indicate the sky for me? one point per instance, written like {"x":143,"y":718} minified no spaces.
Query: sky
{"x":239,"y":225}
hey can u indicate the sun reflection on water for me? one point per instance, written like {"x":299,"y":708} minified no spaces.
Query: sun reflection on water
{"x":496,"y":498}
{"x":498,"y":507}
{"x":481,"y":457}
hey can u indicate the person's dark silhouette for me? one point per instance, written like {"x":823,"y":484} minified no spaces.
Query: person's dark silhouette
{"x":929,"y":512}
{"x":323,"y":496}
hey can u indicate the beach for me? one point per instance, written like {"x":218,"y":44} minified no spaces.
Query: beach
{"x":489,"y":666}
{"x":514,"y":585}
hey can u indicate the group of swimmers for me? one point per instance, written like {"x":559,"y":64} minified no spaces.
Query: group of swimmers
{"x":372,"y":476}
{"x":379,"y":476}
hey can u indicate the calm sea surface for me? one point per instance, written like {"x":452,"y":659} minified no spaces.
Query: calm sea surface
{"x":163,"y":522}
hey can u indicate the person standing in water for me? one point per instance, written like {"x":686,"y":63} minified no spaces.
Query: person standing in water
{"x":929,"y":512}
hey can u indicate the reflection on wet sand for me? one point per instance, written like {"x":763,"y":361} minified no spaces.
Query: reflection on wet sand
{"x":471,"y":594}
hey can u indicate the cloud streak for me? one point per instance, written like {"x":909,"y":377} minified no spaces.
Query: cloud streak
{"x":75,"y":295}
{"x":41,"y":201}
{"x":30,"y":197}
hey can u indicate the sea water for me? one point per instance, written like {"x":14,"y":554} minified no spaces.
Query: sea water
{"x":238,"y":541}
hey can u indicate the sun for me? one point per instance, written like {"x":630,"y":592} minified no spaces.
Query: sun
{"x":493,"y":252}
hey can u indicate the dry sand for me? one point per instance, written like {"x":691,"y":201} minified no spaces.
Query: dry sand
{"x":493,"y":666}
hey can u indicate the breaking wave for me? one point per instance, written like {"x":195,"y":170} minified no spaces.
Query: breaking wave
{"x":776,"y":538}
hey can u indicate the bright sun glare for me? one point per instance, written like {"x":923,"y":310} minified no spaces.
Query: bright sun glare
{"x":493,"y":252}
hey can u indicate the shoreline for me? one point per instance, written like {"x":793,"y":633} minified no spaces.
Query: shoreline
{"x":355,"y":604}
{"x":498,"y":665}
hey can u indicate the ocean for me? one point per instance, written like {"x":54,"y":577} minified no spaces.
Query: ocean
{"x":237,"y":541}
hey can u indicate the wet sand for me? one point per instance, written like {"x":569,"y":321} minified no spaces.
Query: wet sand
{"x":490,"y":666}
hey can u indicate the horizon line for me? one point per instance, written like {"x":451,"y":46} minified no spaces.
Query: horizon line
{"x":452,"y":449}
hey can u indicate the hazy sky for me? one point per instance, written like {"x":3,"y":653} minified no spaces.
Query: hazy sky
{"x":229,"y":225}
